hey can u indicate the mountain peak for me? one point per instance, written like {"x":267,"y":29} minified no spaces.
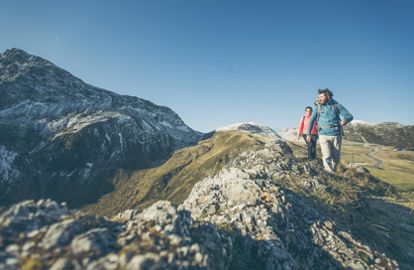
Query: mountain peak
{"x":15,"y":54}
{"x":16,"y":62}
{"x":15,"y":51}
{"x":361,"y":122}
{"x":20,"y":57}
{"x":365,"y":123}
{"x":251,"y":127}
{"x":379,"y":125}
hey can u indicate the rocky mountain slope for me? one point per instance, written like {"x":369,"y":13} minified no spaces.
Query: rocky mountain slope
{"x":262,"y":209}
{"x":387,"y":133}
{"x":64,"y":139}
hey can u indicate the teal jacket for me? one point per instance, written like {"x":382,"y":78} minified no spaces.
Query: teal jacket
{"x":329,"y":119}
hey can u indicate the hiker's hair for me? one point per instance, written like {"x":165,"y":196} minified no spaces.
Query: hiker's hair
{"x":308,"y":107}
{"x":326,"y":91}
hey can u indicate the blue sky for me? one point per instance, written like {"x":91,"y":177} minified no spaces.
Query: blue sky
{"x":221,"y":62}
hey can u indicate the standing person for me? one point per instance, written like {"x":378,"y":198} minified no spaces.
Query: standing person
{"x":302,"y":129}
{"x":327,"y":114}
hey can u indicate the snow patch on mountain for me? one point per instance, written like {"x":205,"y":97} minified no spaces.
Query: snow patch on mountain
{"x":74,"y":123}
{"x":362,"y":122}
{"x":251,"y":127}
{"x":7,"y":171}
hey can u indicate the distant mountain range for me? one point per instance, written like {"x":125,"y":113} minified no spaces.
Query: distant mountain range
{"x":386,"y":133}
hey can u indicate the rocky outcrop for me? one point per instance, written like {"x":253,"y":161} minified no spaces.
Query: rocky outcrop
{"x":244,"y":217}
{"x":45,"y":235}
{"x":277,"y":228}
{"x":267,"y":234}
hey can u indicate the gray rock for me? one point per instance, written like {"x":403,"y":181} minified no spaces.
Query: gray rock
{"x":94,"y":242}
{"x":61,"y":264}
{"x":60,"y":234}
{"x":29,"y":215}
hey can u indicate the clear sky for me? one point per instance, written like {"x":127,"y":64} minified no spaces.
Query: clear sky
{"x":221,"y":62}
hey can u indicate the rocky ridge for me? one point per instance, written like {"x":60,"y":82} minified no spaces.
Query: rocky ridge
{"x":244,"y":217}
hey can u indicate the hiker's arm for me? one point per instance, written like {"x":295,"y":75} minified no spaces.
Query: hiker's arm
{"x":300,"y":128}
{"x":312,"y":121}
{"x":347,"y":117}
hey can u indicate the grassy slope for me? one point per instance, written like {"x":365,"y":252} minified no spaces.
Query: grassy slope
{"x":354,"y":200}
{"x":397,"y":169}
{"x":385,"y":223}
{"x":174,"y":179}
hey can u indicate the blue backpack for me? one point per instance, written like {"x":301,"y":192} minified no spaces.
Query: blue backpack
{"x":318,"y":114}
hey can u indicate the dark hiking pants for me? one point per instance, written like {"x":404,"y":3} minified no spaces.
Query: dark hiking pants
{"x":311,"y":146}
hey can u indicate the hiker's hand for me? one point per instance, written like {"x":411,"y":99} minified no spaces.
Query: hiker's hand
{"x":308,"y":138}
{"x":343,"y":123}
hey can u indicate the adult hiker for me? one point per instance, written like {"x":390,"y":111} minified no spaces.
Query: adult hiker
{"x":327,"y":115}
{"x":302,"y":129}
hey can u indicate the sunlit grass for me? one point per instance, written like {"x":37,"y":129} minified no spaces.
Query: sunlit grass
{"x":174,"y":179}
{"x":397,"y":169}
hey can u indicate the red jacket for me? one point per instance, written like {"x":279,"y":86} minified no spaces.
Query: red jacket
{"x":303,"y":126}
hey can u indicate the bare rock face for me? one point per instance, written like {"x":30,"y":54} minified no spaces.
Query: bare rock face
{"x":64,"y":139}
{"x":277,"y":226}
{"x":161,"y":237}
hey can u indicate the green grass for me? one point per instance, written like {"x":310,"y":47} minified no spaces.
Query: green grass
{"x":379,"y":219}
{"x":397,"y":169}
{"x":174,"y":179}
{"x":356,"y":200}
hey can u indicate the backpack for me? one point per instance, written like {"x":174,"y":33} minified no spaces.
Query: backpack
{"x":318,"y":114}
